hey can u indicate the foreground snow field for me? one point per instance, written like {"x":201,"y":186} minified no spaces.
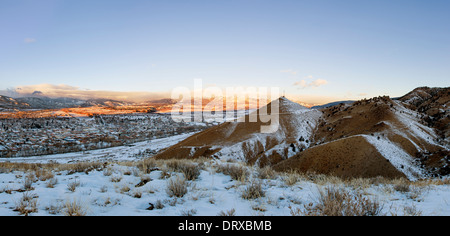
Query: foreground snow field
{"x":126,"y":189}
{"x":120,"y":181}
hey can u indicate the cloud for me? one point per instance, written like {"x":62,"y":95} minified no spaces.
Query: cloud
{"x":362,"y":94}
{"x":315,"y":83}
{"x":290,"y":71}
{"x":319,"y":82}
{"x":63,"y":90}
{"x":29,"y":40}
{"x":301,"y":83}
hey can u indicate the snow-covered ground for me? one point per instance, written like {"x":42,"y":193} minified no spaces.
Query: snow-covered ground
{"x":122,"y":153}
{"x":118,"y":189}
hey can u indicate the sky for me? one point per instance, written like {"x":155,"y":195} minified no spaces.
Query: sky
{"x":315,"y":50}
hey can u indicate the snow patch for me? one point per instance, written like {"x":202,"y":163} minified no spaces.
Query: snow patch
{"x":396,"y":156}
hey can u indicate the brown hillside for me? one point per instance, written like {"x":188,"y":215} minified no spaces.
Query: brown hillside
{"x":244,"y":140}
{"x":434,"y":106}
{"x":368,"y":138}
{"x":348,"y":157}
{"x":377,"y":116}
{"x":351,"y":131}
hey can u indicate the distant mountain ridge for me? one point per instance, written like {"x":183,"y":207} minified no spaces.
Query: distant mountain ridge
{"x":11,"y":103}
{"x":331,"y":104}
{"x":55,"y":103}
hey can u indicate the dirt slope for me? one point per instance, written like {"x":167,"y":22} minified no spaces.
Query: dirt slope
{"x":362,"y":133}
{"x":348,"y":157}
{"x":368,"y":138}
{"x":433,"y":105}
{"x":244,"y":140}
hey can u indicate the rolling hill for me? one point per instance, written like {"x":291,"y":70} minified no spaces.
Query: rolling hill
{"x":367,"y":138}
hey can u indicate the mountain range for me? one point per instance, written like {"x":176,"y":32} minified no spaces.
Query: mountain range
{"x":40,"y":102}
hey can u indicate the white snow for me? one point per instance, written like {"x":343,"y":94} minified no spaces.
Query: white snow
{"x":209,"y":195}
{"x":214,"y":192}
{"x":396,"y":156}
{"x":302,"y":123}
{"x":408,"y":118}
{"x":122,"y":153}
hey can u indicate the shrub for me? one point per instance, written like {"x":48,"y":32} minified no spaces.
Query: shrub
{"x":236,"y":172}
{"x":266,"y":173}
{"x":80,"y":167}
{"x":291,"y":178}
{"x":74,"y":208}
{"x":159,"y":204}
{"x":116,"y":179}
{"x":190,"y":212}
{"x":190,"y":171}
{"x":231,"y":212}
{"x":253,"y":190}
{"x":52,"y":182}
{"x":177,"y":187}
{"x":148,"y":165}
{"x":27,"y":204}
{"x":339,"y":202}
{"x":28,"y":182}
{"x":72,"y":186}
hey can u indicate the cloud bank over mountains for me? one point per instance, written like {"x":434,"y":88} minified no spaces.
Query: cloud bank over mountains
{"x":68,"y":91}
{"x":63,"y":90}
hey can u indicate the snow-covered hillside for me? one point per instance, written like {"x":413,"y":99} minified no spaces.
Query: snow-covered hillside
{"x":129,"y":188}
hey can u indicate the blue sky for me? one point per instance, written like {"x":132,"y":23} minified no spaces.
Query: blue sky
{"x":346,"y":49}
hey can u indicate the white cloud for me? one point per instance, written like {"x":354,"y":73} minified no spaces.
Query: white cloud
{"x":29,"y":40}
{"x":63,"y":90}
{"x":301,"y":83}
{"x":315,"y":83}
{"x":318,"y":82}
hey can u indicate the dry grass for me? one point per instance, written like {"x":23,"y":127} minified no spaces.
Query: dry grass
{"x":44,"y":174}
{"x":116,"y":179}
{"x":191,"y":212}
{"x":177,"y":187}
{"x":136,"y":193}
{"x":148,"y":165}
{"x":52,"y":182}
{"x":339,"y":202}
{"x":291,"y":178}
{"x":411,"y":211}
{"x":124,"y":189}
{"x":231,"y":212}
{"x":253,"y":190}
{"x":28,"y":182}
{"x":44,"y":171}
{"x":27,"y":204}
{"x":159,"y":204}
{"x":330,"y":201}
{"x":72,"y":186}
{"x":81,"y":167}
{"x":236,"y":172}
{"x":266,"y":173}
{"x":144,"y":180}
{"x":190,"y":170}
{"x":74,"y":208}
